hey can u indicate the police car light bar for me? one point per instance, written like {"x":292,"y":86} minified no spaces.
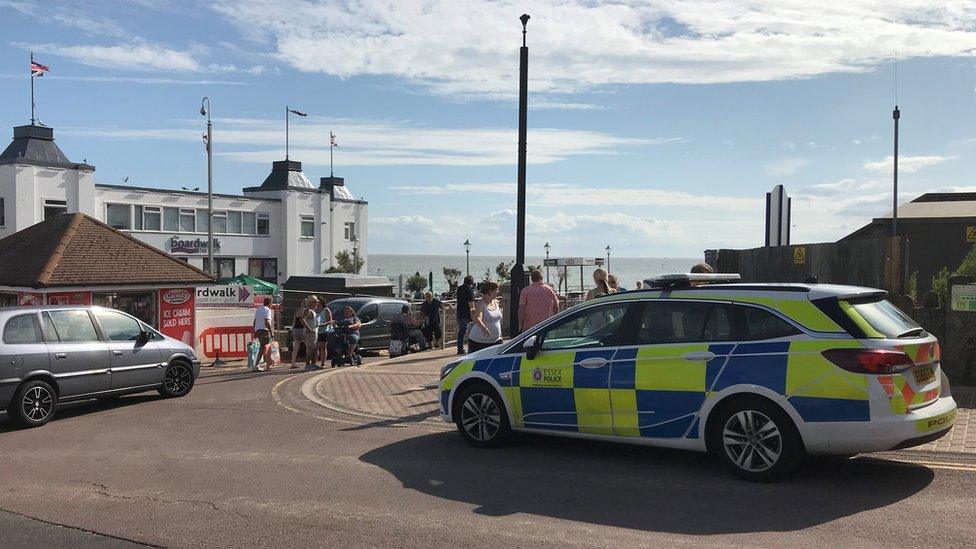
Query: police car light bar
{"x":685,"y":279}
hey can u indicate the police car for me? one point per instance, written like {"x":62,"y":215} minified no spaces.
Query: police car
{"x":758,"y":374}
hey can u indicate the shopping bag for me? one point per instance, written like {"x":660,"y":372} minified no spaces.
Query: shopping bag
{"x":273,"y":354}
{"x":253,"y":351}
{"x":396,"y":347}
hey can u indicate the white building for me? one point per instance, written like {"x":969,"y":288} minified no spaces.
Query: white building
{"x":284,"y":227}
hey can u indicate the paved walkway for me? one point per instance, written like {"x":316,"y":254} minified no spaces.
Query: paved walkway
{"x":404,"y":391}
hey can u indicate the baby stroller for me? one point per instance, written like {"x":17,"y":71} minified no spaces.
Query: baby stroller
{"x":340,"y":346}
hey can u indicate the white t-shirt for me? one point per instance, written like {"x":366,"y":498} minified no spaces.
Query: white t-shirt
{"x":263,"y":313}
{"x":493,"y":321}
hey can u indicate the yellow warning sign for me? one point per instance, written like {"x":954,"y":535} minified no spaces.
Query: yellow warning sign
{"x":971,"y":234}
{"x":800,"y":255}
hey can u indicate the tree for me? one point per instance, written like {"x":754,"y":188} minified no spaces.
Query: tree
{"x":453,"y":277}
{"x":486,"y":276}
{"x":345,"y":264}
{"x":416,"y":284}
{"x":503,"y":270}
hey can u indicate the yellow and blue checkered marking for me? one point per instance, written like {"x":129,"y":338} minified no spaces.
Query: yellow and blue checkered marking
{"x":654,"y":392}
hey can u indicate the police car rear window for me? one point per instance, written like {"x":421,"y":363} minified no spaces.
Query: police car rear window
{"x":886,"y":320}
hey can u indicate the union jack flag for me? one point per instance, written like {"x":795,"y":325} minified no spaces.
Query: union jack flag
{"x":38,"y":70}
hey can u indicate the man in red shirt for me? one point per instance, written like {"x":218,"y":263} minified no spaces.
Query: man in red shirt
{"x":537,"y":302}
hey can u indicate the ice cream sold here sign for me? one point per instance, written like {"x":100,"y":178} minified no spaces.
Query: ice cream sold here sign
{"x":177,"y":314}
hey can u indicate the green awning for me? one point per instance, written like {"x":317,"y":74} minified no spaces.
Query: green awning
{"x":261,"y":287}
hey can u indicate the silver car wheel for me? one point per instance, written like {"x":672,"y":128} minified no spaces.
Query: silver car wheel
{"x":37,"y":404}
{"x":178,"y":379}
{"x":752,"y":441}
{"x":480,"y":417}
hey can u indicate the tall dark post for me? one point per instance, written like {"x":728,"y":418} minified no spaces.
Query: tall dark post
{"x":518,"y":270}
{"x":896,"y":115}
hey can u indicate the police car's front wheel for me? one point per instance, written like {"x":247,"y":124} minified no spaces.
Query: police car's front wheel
{"x":480,"y":416}
{"x":756,"y":439}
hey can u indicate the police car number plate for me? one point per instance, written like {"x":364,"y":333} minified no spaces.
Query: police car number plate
{"x":923,"y":374}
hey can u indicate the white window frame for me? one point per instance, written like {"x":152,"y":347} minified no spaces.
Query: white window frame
{"x":257,"y":223}
{"x":152,"y":210}
{"x":302,"y":220}
{"x":245,"y":229}
{"x":349,"y":230}
{"x":54,"y":202}
{"x":167,"y":229}
{"x":128,"y":206}
{"x":238,"y":215}
{"x":192,"y":213}
{"x":217,"y":215}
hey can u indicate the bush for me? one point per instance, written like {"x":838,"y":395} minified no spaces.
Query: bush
{"x":416,"y":284}
{"x":940,"y":282}
{"x":912,"y":290}
{"x":940,"y":285}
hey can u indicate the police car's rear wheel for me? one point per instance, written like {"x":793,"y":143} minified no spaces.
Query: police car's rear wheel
{"x":755,"y":439}
{"x":480,"y":416}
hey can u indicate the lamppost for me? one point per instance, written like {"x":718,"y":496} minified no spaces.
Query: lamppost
{"x":547,"y":247}
{"x":467,"y":259}
{"x":208,"y":139}
{"x":518,"y":271}
{"x":608,"y":258}
{"x":355,"y":253}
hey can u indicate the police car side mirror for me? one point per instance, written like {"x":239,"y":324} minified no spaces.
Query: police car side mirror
{"x":531,"y":346}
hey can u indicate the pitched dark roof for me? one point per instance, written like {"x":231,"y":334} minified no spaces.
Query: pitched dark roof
{"x":77,"y":250}
{"x":35,"y":145}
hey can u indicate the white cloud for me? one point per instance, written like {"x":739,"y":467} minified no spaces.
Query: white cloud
{"x":564,"y":194}
{"x":469,"y":47}
{"x":68,"y":16}
{"x":907,"y":164}
{"x":140,"y":56}
{"x":386,"y":143}
{"x":144,"y":57}
{"x":785,"y":166}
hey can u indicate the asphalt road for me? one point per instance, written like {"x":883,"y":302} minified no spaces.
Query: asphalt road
{"x":245,"y":460}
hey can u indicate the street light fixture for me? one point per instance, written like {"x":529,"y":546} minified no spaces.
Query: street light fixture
{"x":208,"y":139}
{"x":547,"y":247}
{"x":467,"y":259}
{"x":608,"y":259}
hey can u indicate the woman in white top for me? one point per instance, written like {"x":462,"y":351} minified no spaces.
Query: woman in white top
{"x":487,"y":318}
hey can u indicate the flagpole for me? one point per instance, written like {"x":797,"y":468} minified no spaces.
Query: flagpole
{"x":31,"y":73}
{"x":286,"y":132}
{"x":331,"y":146}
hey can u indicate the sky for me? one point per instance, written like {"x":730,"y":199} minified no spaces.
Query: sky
{"x":654,"y":127}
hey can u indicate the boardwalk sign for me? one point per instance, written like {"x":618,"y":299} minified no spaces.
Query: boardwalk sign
{"x":230,"y":295}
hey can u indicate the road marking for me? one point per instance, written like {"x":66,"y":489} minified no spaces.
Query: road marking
{"x":948,"y":466}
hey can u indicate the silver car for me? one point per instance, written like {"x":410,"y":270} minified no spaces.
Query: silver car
{"x":56,"y":354}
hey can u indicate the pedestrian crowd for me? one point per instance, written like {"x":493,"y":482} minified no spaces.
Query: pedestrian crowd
{"x":478,"y":315}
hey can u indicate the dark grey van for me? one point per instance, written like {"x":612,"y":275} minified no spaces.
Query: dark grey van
{"x":56,"y":354}
{"x":375,"y":314}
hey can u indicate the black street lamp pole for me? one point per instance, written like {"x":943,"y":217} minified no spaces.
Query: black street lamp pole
{"x":518,"y":270}
{"x":547,"y":247}
{"x":608,"y":258}
{"x":467,"y":257}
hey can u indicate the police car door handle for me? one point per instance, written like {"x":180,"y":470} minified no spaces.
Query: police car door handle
{"x":593,"y":363}
{"x":700,"y":356}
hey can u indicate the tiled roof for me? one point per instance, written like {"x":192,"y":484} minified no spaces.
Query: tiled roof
{"x":77,"y":250}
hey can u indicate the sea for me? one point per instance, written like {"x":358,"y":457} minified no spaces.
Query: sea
{"x":628,"y":270}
